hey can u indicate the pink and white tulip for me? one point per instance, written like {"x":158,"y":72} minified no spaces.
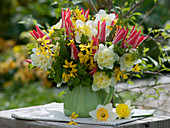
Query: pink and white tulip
{"x":74,"y":52}
{"x":39,"y":34}
{"x":134,"y":38}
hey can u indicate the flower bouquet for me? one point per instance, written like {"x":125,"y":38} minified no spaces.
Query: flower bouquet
{"x":88,"y":54}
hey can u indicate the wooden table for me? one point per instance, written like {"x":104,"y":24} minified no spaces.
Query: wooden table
{"x":6,"y":121}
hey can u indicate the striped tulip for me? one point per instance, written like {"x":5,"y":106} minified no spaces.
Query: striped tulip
{"x":39,"y":34}
{"x":134,"y":38}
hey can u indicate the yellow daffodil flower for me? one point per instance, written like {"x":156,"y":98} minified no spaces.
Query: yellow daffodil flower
{"x":124,"y":110}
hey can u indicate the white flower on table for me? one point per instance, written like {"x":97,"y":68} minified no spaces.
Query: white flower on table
{"x":103,"y":113}
{"x":124,"y":110}
{"x":105,"y":57}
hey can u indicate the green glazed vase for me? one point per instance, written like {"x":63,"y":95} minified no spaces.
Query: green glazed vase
{"x":82,"y":100}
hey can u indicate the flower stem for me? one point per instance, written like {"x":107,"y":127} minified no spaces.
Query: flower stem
{"x":109,"y":96}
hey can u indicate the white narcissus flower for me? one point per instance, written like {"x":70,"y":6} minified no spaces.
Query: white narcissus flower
{"x":124,"y":110}
{"x":103,"y":113}
{"x":105,"y":57}
{"x":102,"y":81}
{"x":41,"y":61}
{"x":84,"y":28}
{"x":126,"y":62}
{"x":101,"y":16}
{"x":56,"y":26}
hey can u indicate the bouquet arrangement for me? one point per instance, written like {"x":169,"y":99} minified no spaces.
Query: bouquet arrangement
{"x":94,"y":52}
{"x":77,"y":50}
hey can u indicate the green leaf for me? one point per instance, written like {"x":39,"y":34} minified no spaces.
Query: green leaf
{"x":61,"y":93}
{"x":155,"y":1}
{"x":137,"y":13}
{"x":130,"y":82}
{"x":63,"y":51}
{"x":30,"y":66}
{"x":138,"y":76}
{"x":167,"y":27}
{"x":154,"y":61}
{"x":84,"y":39}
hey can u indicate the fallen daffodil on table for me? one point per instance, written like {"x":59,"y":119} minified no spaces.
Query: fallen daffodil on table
{"x":103,"y":113}
{"x":124,"y":110}
{"x":73,"y":117}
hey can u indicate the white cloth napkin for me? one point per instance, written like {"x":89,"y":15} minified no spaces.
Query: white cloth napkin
{"x":54,"y":112}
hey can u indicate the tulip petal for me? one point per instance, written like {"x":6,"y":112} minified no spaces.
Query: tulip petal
{"x":103,"y":32}
{"x":140,"y":40}
{"x":74,"y":52}
{"x":93,"y":71}
{"x":28,"y":60}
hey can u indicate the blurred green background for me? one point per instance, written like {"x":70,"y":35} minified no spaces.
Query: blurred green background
{"x":20,"y":87}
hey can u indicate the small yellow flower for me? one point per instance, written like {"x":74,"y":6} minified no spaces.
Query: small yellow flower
{"x":77,"y":15}
{"x":84,"y":47}
{"x":71,"y":42}
{"x":73,"y":72}
{"x":92,"y":47}
{"x":136,"y":68}
{"x":43,"y":40}
{"x":69,"y":65}
{"x":119,"y":74}
{"x":66,"y":77}
{"x":73,"y":117}
{"x":72,"y":122}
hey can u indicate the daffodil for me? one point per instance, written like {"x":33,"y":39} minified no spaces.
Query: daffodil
{"x":102,"y":81}
{"x":40,"y":60}
{"x":126,"y":62}
{"x":84,"y":28}
{"x":103,"y":113}
{"x":124,"y":110}
{"x":102,"y":16}
{"x":105,"y":57}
